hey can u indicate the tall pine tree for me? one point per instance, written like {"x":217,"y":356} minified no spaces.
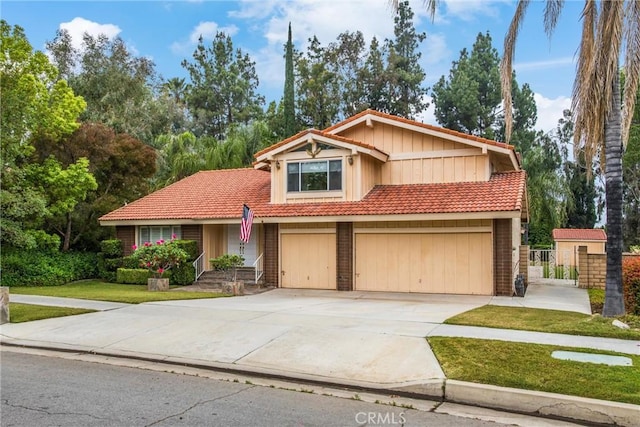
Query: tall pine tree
{"x":290,"y":127}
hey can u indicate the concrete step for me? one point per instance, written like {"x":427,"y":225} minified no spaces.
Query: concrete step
{"x":213,"y":277}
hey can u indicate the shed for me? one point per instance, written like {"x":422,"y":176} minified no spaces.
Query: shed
{"x":567,"y":241}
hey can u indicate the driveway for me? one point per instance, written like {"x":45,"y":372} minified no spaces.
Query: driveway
{"x":374,"y":339}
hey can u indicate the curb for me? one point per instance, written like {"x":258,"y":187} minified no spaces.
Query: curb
{"x":527,"y":402}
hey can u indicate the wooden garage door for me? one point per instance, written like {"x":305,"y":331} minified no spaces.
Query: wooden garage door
{"x":452,"y":263}
{"x":309,"y":261}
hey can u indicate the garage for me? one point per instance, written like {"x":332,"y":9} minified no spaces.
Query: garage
{"x":451,"y":263}
{"x":308,"y":260}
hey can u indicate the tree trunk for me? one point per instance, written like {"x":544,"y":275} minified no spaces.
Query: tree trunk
{"x":67,"y":235}
{"x":614,"y":298}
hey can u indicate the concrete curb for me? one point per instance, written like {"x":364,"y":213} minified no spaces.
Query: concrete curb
{"x":535,"y":403}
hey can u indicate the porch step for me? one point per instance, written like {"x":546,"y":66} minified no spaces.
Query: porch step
{"x":213,"y":277}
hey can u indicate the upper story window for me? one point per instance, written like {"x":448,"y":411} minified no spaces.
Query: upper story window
{"x":153,"y":234}
{"x":319,"y":175}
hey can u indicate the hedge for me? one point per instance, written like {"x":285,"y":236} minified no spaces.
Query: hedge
{"x":631,"y":284}
{"x":133,"y":276}
{"x":45,"y":268}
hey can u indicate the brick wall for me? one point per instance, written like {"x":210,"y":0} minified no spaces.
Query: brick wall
{"x":344,"y":256}
{"x":523,"y":263}
{"x":502,"y":257}
{"x":126,"y":233}
{"x":192,"y":232}
{"x":592,"y":268}
{"x":271,"y":253}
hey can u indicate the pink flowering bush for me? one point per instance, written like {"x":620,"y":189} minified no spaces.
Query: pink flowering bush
{"x":159,"y":257}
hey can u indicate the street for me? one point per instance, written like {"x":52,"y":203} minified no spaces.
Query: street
{"x":53,"y":391}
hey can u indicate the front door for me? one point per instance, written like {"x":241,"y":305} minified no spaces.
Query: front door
{"x":236,"y":247}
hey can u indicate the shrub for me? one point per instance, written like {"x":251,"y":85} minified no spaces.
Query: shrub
{"x":45,"y":268}
{"x":111,"y":248}
{"x":132,"y":276}
{"x":227,"y":263}
{"x":631,"y":284}
{"x":190,"y":247}
{"x":160,"y":257}
{"x":183,"y":274}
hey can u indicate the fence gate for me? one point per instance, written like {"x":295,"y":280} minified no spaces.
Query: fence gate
{"x":550,"y":264}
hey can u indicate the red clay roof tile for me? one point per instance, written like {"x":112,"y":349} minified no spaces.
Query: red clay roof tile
{"x":220,"y":194}
{"x":579,"y":234}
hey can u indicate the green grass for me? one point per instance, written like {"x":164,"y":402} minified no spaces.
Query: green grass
{"x":531,"y":367}
{"x":19,"y":313}
{"x":540,"y":320}
{"x":114,"y":292}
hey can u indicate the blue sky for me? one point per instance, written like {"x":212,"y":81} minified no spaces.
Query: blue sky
{"x":167,"y":32}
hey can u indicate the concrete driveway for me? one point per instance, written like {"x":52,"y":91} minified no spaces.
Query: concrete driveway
{"x":374,"y":339}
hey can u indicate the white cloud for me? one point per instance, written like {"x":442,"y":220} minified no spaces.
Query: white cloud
{"x":207,"y":30}
{"x":543,"y":65}
{"x":469,"y":10}
{"x":78,"y":26}
{"x":550,"y":111}
{"x":428,"y":115}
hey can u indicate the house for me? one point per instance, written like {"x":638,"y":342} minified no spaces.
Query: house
{"x":375,"y":203}
{"x":567,"y":241}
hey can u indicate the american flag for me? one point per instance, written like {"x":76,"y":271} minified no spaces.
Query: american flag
{"x":247,"y":221}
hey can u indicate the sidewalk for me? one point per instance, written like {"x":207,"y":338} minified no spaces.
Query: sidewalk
{"x":373,"y":342}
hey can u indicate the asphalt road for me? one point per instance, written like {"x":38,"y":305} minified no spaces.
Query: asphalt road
{"x":51,"y":391}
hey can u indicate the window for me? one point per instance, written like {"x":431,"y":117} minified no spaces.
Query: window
{"x":314,"y":176}
{"x":153,"y":234}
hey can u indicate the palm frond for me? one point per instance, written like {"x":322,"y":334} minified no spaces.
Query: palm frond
{"x":430,"y":5}
{"x":632,"y":65}
{"x":506,"y":65}
{"x":551,"y":15}
{"x":585,"y":106}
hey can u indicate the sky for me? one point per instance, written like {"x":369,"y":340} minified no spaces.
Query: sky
{"x":167,"y":32}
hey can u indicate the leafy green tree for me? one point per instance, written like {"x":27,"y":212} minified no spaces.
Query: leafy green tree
{"x":631,"y":174}
{"x":122,"y":90}
{"x":289,"y":107}
{"x":121,"y":166}
{"x":347,"y":57}
{"x":223,"y":88}
{"x":318,"y":87}
{"x":406,"y":95}
{"x":34,"y":103}
{"x":469,"y":99}
{"x":374,"y":78}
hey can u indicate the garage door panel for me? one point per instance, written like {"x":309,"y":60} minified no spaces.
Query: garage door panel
{"x":309,"y":261}
{"x":458,"y":263}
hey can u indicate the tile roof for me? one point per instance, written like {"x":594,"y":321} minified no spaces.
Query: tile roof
{"x":579,"y":234}
{"x":419,"y":124}
{"x":319,"y":133}
{"x":220,"y":194}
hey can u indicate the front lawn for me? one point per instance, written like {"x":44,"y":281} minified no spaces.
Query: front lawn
{"x":19,"y":313}
{"x":531,"y":367}
{"x":114,"y":292}
{"x":540,"y":320}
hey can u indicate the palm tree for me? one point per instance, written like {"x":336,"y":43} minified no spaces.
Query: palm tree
{"x":601,"y":125}
{"x":175,"y":88}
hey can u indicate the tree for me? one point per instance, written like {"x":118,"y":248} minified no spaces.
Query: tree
{"x":121,"y":166}
{"x":374,"y":78}
{"x":405,"y":91}
{"x":290,"y":127}
{"x":317,"y":87}
{"x":469,"y":99}
{"x":600,"y":124}
{"x":223,"y":88}
{"x":346,"y":56}
{"x":122,"y":90}
{"x":631,"y":174}
{"x":34,"y":103}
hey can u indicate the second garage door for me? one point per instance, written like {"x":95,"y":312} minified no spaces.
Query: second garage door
{"x":308,"y":260}
{"x":446,"y":263}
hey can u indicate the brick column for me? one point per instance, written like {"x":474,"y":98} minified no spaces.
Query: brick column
{"x":502,"y":257}
{"x":127,"y":234}
{"x":344,"y":256}
{"x":524,"y":262}
{"x":271,"y":254}
{"x":583,"y":267}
